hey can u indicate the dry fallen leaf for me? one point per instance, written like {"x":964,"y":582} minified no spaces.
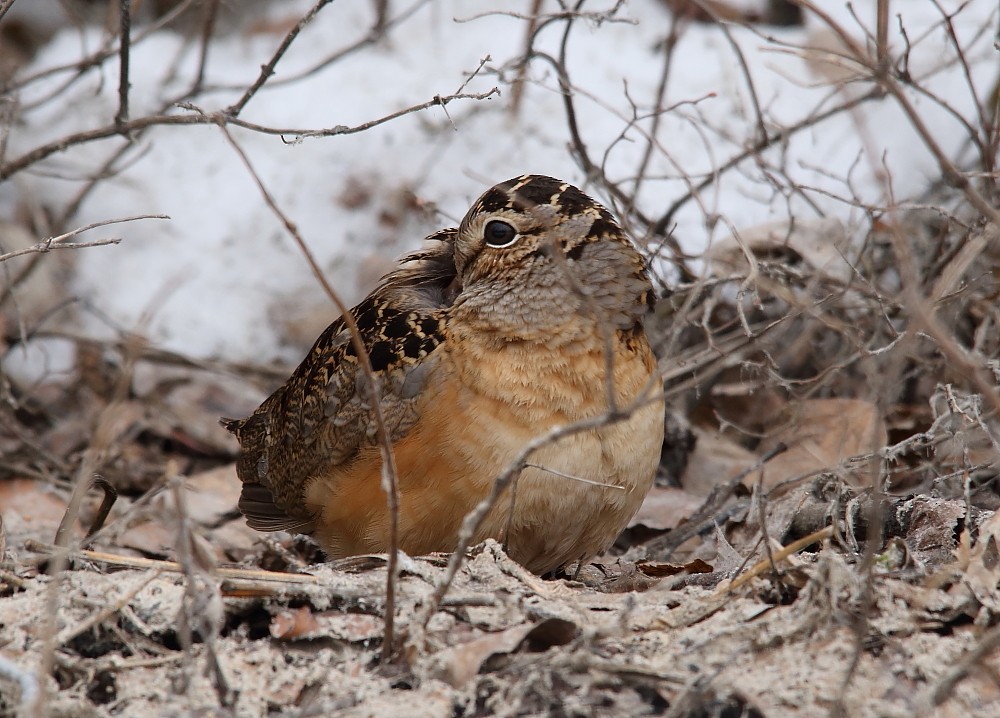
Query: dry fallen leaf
{"x":820,"y":434}
{"x":666,"y":508}
{"x":211,"y":494}
{"x":659,"y":569}
{"x":302,"y":623}
{"x":149,"y":538}
{"x":715,"y":460}
{"x":210,"y":497}
{"x":457,"y":665}
{"x":983,"y":573}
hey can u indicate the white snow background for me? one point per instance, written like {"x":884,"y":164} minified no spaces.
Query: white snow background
{"x":222,"y":278}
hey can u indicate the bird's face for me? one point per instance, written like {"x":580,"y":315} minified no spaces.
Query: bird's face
{"x":531,"y":246}
{"x":516,"y":225}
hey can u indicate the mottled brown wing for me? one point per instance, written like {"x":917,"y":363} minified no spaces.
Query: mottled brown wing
{"x":321,"y":416}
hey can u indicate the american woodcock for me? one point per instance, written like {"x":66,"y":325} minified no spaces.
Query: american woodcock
{"x":489,"y":337}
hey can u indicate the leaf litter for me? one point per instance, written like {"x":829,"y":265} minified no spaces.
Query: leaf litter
{"x":822,"y":539}
{"x":778,"y":603}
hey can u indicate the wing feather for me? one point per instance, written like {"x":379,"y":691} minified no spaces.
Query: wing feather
{"x":320,"y":418}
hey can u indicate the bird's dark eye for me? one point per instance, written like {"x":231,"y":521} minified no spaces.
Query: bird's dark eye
{"x":499,"y":234}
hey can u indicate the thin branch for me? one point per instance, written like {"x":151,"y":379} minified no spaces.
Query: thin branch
{"x":582,"y":480}
{"x":267,"y":69}
{"x":148,"y":564}
{"x":207,"y":29}
{"x":952,"y":175}
{"x":59,"y":242}
{"x":389,"y":481}
{"x":474,"y":519}
{"x":976,"y":658}
{"x":81,"y":66}
{"x":42,"y":247}
{"x":882,"y":34}
{"x":125,"y":34}
{"x":517,"y":86}
{"x":436,"y":101}
{"x":107,"y":169}
{"x":744,"y":67}
{"x":660,"y":226}
{"x":596,"y":16}
{"x":201,"y":591}
{"x":70,"y":632}
{"x":5,"y":5}
{"x":371,"y":38}
{"x":986,"y":157}
{"x":789,"y":550}
{"x":669,"y":46}
{"x":215,"y":118}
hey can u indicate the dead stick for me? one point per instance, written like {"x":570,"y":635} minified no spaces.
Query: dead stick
{"x":171,"y":566}
{"x":389,"y":482}
{"x":792,"y":548}
{"x":68,"y":634}
{"x":125,"y":24}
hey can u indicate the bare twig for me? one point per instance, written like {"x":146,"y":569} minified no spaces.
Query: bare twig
{"x":987,"y":150}
{"x":147,"y":564}
{"x":267,"y":69}
{"x":70,"y":632}
{"x":202,"y":605}
{"x":793,"y":548}
{"x":216,"y":118}
{"x":596,"y":16}
{"x":383,"y":439}
{"x":707,"y":514}
{"x":952,"y":175}
{"x":517,"y":86}
{"x":63,"y":535}
{"x":474,"y":519}
{"x":5,"y":5}
{"x":777,"y":137}
{"x":43,"y":247}
{"x":108,"y":50}
{"x":207,"y":28}
{"x":125,"y":36}
{"x":971,"y":661}
{"x":371,"y":38}
{"x":381,"y":16}
{"x":436,"y":101}
{"x":106,"y":169}
{"x":669,"y":45}
{"x":882,"y":34}
{"x":761,"y":134}
{"x":58,"y":242}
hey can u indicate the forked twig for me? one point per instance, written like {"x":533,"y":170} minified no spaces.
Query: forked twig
{"x":59,"y":241}
{"x":267,"y":69}
{"x":29,"y":158}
